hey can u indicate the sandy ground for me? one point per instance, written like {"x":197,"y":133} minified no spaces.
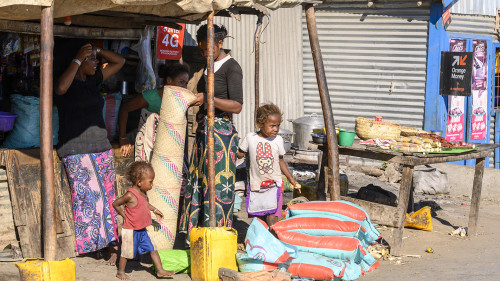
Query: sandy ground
{"x":454,"y":258}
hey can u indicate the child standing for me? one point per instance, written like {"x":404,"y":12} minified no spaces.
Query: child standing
{"x":265,"y":149}
{"x":137,"y":217}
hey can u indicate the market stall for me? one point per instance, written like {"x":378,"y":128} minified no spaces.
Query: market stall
{"x":105,"y":14}
{"x":409,"y":147}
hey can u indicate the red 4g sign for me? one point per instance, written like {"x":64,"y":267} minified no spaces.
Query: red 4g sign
{"x":169,"y":42}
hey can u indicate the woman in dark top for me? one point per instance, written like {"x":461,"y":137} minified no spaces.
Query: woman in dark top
{"x":228,"y":100}
{"x":85,"y":149}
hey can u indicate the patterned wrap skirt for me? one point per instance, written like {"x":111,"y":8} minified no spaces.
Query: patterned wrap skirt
{"x":92,"y":180}
{"x":196,"y":197}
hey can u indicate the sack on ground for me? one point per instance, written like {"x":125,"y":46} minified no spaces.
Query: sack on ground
{"x":314,"y":266}
{"x":421,"y":219}
{"x":247,"y":264}
{"x":324,"y":226}
{"x":178,"y":261}
{"x":261,"y":245}
{"x":341,"y":210}
{"x":430,"y":180}
{"x":343,"y":248}
{"x":26,"y":131}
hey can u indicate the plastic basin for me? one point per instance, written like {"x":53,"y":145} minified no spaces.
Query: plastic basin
{"x":346,"y":138}
{"x":7,"y":121}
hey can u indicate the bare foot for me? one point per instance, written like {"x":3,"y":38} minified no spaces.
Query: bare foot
{"x":162,"y":273}
{"x":123,"y":276}
{"x":112,"y":259}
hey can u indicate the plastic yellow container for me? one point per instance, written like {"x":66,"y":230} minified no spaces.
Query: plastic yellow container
{"x":40,"y":270}
{"x":211,"y":249}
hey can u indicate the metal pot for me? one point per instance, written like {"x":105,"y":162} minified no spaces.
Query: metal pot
{"x":303,"y":128}
{"x":287,"y":138}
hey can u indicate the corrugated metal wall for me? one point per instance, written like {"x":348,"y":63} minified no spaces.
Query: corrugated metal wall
{"x":375,"y":61}
{"x":476,"y":7}
{"x":280,"y":62}
{"x":482,"y":25}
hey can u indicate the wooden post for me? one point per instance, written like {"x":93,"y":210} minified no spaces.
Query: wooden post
{"x":210,"y":120}
{"x":404,"y":197}
{"x":331,"y":135}
{"x":476,"y":196}
{"x":257,"y":57}
{"x":46,"y":149}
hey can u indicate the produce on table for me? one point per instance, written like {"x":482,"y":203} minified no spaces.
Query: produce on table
{"x":416,"y":144}
{"x":409,"y":131}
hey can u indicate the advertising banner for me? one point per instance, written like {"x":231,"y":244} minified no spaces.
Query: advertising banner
{"x":479,"y":114}
{"x":480,"y":66}
{"x":169,"y":42}
{"x":456,"y":104}
{"x":456,"y":71}
{"x":455,"y":123}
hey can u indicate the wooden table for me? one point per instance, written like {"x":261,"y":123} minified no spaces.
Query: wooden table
{"x":396,"y":216}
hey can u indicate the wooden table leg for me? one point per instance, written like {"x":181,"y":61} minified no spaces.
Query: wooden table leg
{"x":476,"y":196}
{"x":321,"y":191}
{"x":404,"y":197}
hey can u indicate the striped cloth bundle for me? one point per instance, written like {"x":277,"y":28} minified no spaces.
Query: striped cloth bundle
{"x":167,"y":161}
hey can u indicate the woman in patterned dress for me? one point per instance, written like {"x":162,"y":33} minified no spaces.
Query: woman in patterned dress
{"x":85,"y":149}
{"x":228,"y":101}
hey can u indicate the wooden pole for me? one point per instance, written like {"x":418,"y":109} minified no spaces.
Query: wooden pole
{"x":257,"y":58}
{"x":210,"y":120}
{"x":476,"y":196}
{"x":46,"y":149}
{"x":331,"y":135}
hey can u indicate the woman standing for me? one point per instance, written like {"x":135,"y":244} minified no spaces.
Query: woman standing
{"x":176,"y":75}
{"x":228,"y":100}
{"x":85,"y":149}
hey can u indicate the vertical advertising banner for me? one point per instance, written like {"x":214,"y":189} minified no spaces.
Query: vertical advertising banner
{"x":479,"y":93}
{"x":456,"y":104}
{"x":169,"y":42}
{"x":479,"y":114}
{"x":480,"y":66}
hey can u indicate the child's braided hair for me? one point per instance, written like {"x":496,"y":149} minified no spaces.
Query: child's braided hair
{"x":136,"y":171}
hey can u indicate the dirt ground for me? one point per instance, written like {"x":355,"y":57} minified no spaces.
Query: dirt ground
{"x":454,"y":258}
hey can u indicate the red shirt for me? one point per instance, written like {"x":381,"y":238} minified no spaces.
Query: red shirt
{"x":137,"y":217}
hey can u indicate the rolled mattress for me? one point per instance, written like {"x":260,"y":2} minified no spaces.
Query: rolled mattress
{"x":167,"y":161}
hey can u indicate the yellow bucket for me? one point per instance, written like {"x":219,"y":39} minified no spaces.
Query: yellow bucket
{"x":40,"y":270}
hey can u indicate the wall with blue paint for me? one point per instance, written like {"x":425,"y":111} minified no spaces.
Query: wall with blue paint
{"x":435,"y":104}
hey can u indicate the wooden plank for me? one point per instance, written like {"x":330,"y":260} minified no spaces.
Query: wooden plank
{"x":121,"y":22}
{"x":476,"y":196}
{"x":7,"y":231}
{"x":403,"y":198}
{"x":71,"y":31}
{"x":379,"y":213}
{"x":142,"y":18}
{"x":460,"y":157}
{"x":25,"y":186}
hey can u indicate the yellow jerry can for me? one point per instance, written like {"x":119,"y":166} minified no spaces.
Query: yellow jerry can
{"x":211,"y":249}
{"x":40,"y":270}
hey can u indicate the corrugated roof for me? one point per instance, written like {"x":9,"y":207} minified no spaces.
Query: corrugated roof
{"x":187,"y":10}
{"x":476,"y":7}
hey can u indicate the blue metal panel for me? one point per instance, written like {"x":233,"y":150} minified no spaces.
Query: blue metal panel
{"x":496,"y":112}
{"x":436,"y":105}
{"x":435,"y":110}
{"x":497,"y":140}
